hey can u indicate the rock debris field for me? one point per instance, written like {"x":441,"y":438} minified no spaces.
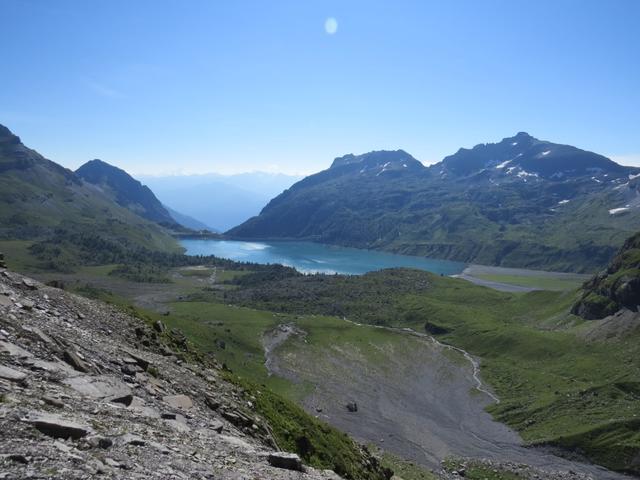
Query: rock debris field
{"x":87,"y":391}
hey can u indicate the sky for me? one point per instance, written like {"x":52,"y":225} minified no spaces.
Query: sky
{"x":193,"y":86}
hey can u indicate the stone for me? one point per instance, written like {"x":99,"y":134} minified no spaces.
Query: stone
{"x":125,"y":400}
{"x":54,"y":402}
{"x":27,"y":304}
{"x":43,"y":336}
{"x":5,"y":301}
{"x":11,"y":374}
{"x":140,"y":360}
{"x":75,"y":361}
{"x":130,"y":370}
{"x":288,"y":461}
{"x":237,"y":418}
{"x":14,"y":350}
{"x":178,"y":401}
{"x":217,"y":426}
{"x":130,"y":439}
{"x":16,"y":457}
{"x":58,"y":427}
{"x":100,"y":442}
{"x":100,"y":386}
{"x":29,"y":284}
{"x":212,"y":402}
{"x":159,"y":327}
{"x":352,"y":407}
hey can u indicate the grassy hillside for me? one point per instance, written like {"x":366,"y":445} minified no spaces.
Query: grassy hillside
{"x":560,"y":382}
{"x":40,"y":201}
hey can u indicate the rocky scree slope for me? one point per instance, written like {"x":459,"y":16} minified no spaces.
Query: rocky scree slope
{"x":521,"y":202}
{"x":87,"y":391}
{"x":614,"y":289}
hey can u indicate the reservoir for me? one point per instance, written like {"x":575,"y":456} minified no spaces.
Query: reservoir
{"x":309,"y":257}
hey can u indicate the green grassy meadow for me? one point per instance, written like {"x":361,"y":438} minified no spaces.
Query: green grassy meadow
{"x":541,"y":282}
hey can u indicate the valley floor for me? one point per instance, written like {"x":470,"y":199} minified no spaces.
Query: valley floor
{"x":521,"y":279}
{"x":416,"y":398}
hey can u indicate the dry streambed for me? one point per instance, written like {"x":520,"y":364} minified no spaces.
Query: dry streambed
{"x":406,"y":393}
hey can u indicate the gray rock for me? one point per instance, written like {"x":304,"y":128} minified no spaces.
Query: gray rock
{"x":14,"y":350}
{"x":11,"y":374}
{"x":29,"y":284}
{"x":100,"y":442}
{"x":140,"y":360}
{"x":178,"y":401}
{"x":217,"y":426}
{"x":75,"y":361}
{"x":289,"y":461}
{"x":130,"y":439}
{"x":101,"y":386}
{"x":54,"y":402}
{"x":58,"y":427}
{"x":158,"y":325}
{"x":27,"y":304}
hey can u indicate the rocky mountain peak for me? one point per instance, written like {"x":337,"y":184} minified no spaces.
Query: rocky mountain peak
{"x":379,"y":158}
{"x":6,"y":136}
{"x":128,"y":191}
{"x":525,"y":158}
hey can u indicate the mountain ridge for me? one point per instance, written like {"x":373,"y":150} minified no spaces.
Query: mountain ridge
{"x":41,"y":200}
{"x":127,"y":191}
{"x":521,"y":202}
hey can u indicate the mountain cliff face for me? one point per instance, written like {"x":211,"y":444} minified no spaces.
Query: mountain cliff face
{"x":520,"y":202}
{"x":126,"y":191}
{"x":38,"y":197}
{"x":616,"y":288}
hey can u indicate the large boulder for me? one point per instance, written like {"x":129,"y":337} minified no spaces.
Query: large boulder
{"x":57,"y":427}
{"x":289,"y":461}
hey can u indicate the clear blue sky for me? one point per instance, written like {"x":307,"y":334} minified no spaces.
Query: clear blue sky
{"x":199,"y":86}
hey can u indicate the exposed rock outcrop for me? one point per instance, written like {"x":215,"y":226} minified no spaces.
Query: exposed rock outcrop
{"x":616,"y":288}
{"x":79,"y":397}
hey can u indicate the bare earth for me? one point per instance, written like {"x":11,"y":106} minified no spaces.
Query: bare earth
{"x":472,"y":273}
{"x":421,"y":403}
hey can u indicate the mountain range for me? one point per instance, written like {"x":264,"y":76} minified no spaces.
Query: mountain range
{"x":40,"y":199}
{"x":521,"y":202}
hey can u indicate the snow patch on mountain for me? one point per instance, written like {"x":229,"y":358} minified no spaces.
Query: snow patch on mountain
{"x":615,"y":211}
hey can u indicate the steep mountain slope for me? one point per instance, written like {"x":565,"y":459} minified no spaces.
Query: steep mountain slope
{"x":40,"y":199}
{"x":88,"y":390}
{"x":187,"y":221}
{"x":521,"y":202}
{"x":126,"y":191}
{"x":616,"y":288}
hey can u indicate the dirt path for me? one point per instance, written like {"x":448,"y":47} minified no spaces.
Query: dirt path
{"x":473,"y":274}
{"x":421,"y":399}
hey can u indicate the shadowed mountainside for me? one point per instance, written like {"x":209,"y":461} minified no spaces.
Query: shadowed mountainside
{"x":521,"y":202}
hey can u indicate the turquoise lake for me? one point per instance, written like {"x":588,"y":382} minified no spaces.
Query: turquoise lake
{"x":308,"y":257}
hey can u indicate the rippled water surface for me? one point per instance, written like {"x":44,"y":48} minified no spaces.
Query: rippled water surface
{"x":311,"y":257}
